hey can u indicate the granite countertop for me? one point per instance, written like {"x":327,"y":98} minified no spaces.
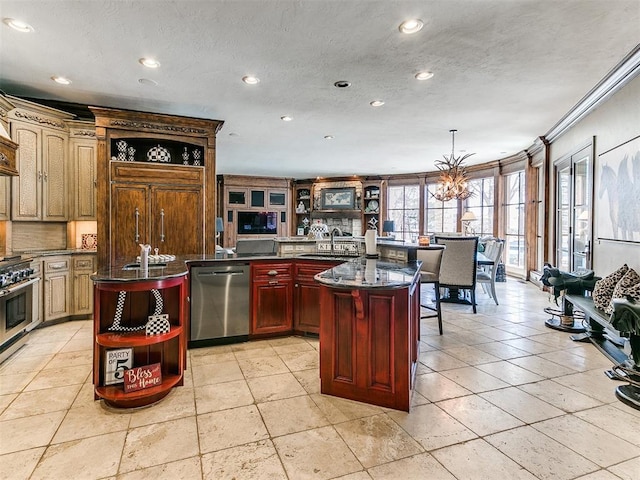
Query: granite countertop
{"x":66,"y":251}
{"x":351,"y":275}
{"x":118,"y":272}
{"x":370,"y":273}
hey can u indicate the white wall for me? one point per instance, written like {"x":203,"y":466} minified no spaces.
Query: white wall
{"x":612,"y":124}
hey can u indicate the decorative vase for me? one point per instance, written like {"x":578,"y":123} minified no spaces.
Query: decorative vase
{"x":196,"y":157}
{"x":132,"y":154}
{"x":121,"y":145}
{"x":185,"y":157}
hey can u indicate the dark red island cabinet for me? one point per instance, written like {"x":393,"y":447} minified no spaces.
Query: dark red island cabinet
{"x":369,"y":343}
{"x":306,"y":304}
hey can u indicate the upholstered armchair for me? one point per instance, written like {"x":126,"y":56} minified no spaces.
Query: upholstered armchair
{"x":458,"y":268}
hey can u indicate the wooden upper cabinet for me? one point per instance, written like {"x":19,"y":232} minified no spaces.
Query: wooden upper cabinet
{"x":39,"y":193}
{"x":155,"y":183}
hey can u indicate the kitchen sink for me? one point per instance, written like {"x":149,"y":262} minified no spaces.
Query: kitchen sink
{"x":136,"y":266}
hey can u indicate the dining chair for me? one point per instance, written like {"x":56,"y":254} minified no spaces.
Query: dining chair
{"x":486,"y":274}
{"x":431,"y":259}
{"x":458,"y":267}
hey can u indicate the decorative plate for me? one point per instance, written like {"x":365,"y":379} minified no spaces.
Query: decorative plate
{"x":159,"y":154}
{"x":373,"y":206}
{"x":89,"y":241}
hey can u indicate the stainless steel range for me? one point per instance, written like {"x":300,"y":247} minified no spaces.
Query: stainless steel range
{"x":16,"y":303}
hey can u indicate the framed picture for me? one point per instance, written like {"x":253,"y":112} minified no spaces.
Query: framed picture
{"x":616,"y":199}
{"x":116,"y":363}
{"x":338,"y":198}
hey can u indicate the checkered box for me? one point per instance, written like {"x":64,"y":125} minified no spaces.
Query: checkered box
{"x":158,"y":324}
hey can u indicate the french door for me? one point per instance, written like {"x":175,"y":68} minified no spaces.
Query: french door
{"x":574,"y":210}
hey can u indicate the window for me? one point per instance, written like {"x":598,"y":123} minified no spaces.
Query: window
{"x":514,"y":220}
{"x":481,"y":203}
{"x":404,"y":210}
{"x":441,"y":216}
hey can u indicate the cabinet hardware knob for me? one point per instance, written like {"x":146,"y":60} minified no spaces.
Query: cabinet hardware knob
{"x":272,"y":273}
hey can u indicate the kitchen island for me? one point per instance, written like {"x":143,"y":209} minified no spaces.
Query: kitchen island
{"x":370,"y":331}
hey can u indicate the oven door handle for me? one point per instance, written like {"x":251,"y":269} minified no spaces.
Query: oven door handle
{"x":14,"y":288}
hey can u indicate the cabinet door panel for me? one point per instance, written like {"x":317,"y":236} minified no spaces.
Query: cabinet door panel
{"x":57,"y":296}
{"x":271,"y":307}
{"x":176,"y":221}
{"x":306,"y":317}
{"x":129,"y":217}
{"x":85,"y":189}
{"x":82,"y":293}
{"x":54,"y":185}
{"x":5,"y":199}
{"x":27,"y":194}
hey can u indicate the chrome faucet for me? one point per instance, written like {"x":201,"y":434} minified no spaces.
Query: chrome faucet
{"x":332,"y":234}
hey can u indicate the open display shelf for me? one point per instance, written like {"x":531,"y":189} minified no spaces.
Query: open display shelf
{"x":167,"y":349}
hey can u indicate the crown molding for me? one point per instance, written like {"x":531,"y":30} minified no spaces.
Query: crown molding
{"x":617,"y":78}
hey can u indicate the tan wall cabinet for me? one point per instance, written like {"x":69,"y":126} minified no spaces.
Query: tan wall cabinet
{"x":5,"y":181}
{"x":83,"y":267}
{"x":39,"y":193}
{"x":82,"y":149}
{"x":57,"y":287}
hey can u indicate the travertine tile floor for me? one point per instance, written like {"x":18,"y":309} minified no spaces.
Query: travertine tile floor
{"x":498,"y":396}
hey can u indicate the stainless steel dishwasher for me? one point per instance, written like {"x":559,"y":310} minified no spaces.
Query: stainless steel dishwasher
{"x":219,"y":303}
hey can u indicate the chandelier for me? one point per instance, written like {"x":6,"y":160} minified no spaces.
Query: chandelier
{"x":453,"y":180}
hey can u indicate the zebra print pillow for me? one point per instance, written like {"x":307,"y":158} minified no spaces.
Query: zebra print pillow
{"x":629,"y":285}
{"x":603,"y":290}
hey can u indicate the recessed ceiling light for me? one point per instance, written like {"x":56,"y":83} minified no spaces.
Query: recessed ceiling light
{"x":411,"y":26}
{"x":149,"y":62}
{"x":61,"y":80}
{"x":376,"y":103}
{"x":250,"y":79}
{"x":286,"y":118}
{"x":328,"y":137}
{"x":423,"y":75}
{"x":18,"y":25}
{"x":148,"y":82}
{"x":342,"y":84}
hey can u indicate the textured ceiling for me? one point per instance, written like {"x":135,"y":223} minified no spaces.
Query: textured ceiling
{"x":505,"y":72}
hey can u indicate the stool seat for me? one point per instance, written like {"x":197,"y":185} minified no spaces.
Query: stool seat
{"x":430,"y":274}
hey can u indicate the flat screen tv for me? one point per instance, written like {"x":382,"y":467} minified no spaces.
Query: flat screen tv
{"x":257,"y":223}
